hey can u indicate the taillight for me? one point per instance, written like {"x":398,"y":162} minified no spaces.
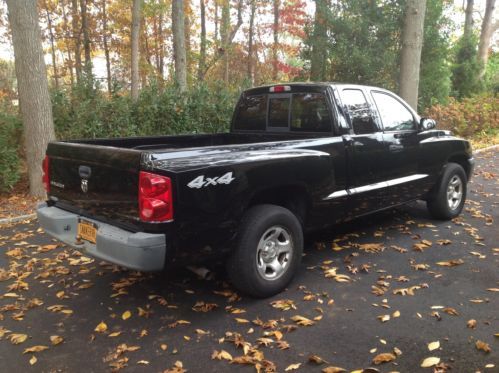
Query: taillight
{"x":45,"y":173}
{"x":155,"y":197}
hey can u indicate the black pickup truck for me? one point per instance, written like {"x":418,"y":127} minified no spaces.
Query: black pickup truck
{"x":298,"y":157}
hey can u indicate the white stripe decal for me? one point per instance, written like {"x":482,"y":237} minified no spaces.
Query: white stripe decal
{"x":369,"y":187}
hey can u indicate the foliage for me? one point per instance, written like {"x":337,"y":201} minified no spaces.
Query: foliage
{"x":466,"y":67}
{"x":10,"y":133}
{"x":86,"y":112}
{"x":434,"y":83}
{"x":492,"y":74}
{"x":475,"y":116}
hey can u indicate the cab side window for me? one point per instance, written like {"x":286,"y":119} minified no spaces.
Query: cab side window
{"x":394,"y":115}
{"x":359,"y":111}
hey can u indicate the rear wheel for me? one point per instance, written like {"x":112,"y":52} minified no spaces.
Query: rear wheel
{"x":450,"y":194}
{"x":268,"y":251}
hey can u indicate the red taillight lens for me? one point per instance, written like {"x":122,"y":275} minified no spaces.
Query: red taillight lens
{"x":45,"y":173}
{"x":155,"y":197}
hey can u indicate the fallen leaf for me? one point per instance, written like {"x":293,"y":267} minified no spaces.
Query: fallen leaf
{"x":33,"y":360}
{"x":292,"y":367}
{"x":114,"y":334}
{"x":242,"y":321}
{"x":37,"y":348}
{"x":384,"y":358}
{"x":480,"y":345}
{"x":451,"y":311}
{"x":300,"y":320}
{"x":316,"y":359}
{"x":126,"y":315}
{"x":17,"y":338}
{"x":451,"y":263}
{"x":56,"y":339}
{"x":430,"y":361}
{"x":433,"y":345}
{"x":471,"y":324}
{"x":101,"y":327}
{"x":219,"y":355}
{"x":333,"y":370}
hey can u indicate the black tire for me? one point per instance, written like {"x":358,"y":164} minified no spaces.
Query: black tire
{"x":245,"y":265}
{"x":438,"y":204}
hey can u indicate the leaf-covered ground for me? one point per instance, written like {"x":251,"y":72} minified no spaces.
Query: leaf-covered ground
{"x":396,"y":291}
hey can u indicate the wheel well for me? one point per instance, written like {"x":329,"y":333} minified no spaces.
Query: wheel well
{"x":293,"y":198}
{"x":461,"y":160}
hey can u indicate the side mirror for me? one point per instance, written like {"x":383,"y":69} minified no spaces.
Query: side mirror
{"x":427,"y":124}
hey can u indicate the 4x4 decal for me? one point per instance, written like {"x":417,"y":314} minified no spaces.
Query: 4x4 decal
{"x":202,"y":182}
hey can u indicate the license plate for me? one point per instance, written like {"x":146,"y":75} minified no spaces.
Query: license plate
{"x":87,"y":230}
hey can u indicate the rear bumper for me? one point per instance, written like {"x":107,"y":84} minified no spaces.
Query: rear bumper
{"x":140,"y":251}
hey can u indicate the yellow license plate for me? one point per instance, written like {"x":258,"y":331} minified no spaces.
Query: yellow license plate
{"x":87,"y":231}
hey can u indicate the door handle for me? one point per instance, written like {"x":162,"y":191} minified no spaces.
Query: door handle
{"x":347,"y":140}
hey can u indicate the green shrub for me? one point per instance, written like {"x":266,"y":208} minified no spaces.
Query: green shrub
{"x":89,"y":113}
{"x":474,"y":116}
{"x":10,"y":130}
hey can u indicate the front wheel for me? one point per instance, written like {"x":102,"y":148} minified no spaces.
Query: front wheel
{"x":268,"y":251}
{"x":450,"y":194}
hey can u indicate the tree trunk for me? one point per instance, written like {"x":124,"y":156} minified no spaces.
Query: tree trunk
{"x":106,"y":46}
{"x":76,"y":38}
{"x":412,"y":43}
{"x":178,"y":24}
{"x":67,"y":36}
{"x":135,"y":48}
{"x":216,"y":22}
{"x":187,"y":36}
{"x":275,"y":46}
{"x":319,"y":42}
{"x":161,"y":63}
{"x":224,"y":36}
{"x":52,"y":46}
{"x":468,"y":20}
{"x":485,"y":37}
{"x":202,"y":44}
{"x":34,"y":98}
{"x":86,"y":38}
{"x":251,"y":31}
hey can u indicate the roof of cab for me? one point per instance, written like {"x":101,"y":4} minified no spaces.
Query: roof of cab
{"x":302,"y":86}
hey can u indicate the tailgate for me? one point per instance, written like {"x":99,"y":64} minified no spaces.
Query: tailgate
{"x":95,"y":181}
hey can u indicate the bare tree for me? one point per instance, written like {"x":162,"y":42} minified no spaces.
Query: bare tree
{"x":178,"y":23}
{"x":76,"y":37}
{"x":34,"y":98}
{"x":202,"y":43}
{"x":468,"y":18}
{"x":136,"y":10}
{"x":412,"y":43}
{"x":105,"y":44}
{"x":275,"y":46}
{"x":52,"y":44}
{"x":86,"y":38}
{"x":251,"y":32}
{"x":486,"y":36}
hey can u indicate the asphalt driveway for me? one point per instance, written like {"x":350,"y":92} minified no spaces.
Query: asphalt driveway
{"x":388,"y":287}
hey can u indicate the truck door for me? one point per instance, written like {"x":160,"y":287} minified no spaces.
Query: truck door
{"x":366,"y":153}
{"x":401,"y":142}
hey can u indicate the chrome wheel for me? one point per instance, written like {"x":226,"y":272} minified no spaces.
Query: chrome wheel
{"x":454,"y":192}
{"x":274,"y":253}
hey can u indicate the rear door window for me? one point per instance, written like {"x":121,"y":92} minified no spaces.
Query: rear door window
{"x":309,"y":112}
{"x":359,"y":111}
